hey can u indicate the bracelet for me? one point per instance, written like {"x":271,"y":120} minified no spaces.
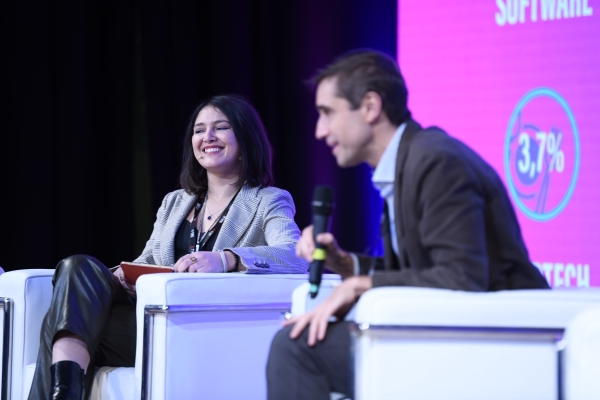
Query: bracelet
{"x":355,"y":264}
{"x":236,"y":267}
{"x":223,"y":260}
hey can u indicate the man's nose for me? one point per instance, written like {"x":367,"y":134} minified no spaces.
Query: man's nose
{"x":322,"y":130}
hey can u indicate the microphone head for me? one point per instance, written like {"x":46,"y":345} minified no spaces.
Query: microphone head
{"x":322,"y":202}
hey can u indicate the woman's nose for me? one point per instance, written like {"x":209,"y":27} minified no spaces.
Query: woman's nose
{"x":210,"y":135}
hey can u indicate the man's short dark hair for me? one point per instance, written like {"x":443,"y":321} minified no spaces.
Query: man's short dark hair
{"x":250,"y":133}
{"x":362,"y":71}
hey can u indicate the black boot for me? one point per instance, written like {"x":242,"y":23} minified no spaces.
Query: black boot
{"x":67,"y":381}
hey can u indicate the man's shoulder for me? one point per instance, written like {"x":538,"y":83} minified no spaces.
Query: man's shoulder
{"x":434,"y":147}
{"x":434,"y":142}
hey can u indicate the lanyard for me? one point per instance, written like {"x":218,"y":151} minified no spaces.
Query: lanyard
{"x":201,"y":240}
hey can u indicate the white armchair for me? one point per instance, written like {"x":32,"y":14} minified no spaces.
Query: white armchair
{"x":199,"y":335}
{"x":24,"y":297}
{"x":419,"y":343}
{"x":582,"y":356}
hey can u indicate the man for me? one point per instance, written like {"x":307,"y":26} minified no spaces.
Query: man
{"x":448,"y":222}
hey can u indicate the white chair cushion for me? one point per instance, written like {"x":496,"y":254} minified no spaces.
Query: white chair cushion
{"x":109,"y":383}
{"x":113,"y":384}
{"x":29,"y":371}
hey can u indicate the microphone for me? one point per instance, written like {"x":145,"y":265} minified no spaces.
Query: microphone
{"x":322,"y":205}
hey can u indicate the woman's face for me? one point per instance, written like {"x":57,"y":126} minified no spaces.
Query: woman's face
{"x":214,"y":143}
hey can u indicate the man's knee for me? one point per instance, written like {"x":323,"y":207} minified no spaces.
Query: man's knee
{"x":284,"y":349}
{"x":282,"y":342}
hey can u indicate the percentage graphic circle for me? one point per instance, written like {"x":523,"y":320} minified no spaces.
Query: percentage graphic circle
{"x":527,"y":179}
{"x":531,"y":174}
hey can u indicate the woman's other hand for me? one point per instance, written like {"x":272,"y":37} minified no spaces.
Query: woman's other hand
{"x":129,"y":287}
{"x":200,"y":261}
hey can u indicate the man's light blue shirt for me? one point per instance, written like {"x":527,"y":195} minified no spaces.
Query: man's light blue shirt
{"x":383,"y":179}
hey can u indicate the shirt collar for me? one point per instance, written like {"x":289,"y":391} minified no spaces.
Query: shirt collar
{"x":386,"y":168}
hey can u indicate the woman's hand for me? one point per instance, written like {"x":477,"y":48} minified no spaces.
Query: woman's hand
{"x":129,"y":287}
{"x":200,"y":261}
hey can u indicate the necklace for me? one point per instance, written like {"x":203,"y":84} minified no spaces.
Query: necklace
{"x":210,"y":214}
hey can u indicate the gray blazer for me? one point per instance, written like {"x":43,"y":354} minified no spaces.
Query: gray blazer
{"x":455,"y":225}
{"x":259,"y":227}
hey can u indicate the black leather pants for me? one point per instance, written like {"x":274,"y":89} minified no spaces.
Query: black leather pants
{"x":87,"y":301}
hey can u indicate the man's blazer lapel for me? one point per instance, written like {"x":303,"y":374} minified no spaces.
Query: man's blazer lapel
{"x":411,"y":130}
{"x":239,"y":218}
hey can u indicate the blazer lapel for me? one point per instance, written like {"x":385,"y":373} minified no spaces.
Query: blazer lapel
{"x":178,"y":213}
{"x":411,"y":130}
{"x":239,"y":218}
{"x":390,"y":260}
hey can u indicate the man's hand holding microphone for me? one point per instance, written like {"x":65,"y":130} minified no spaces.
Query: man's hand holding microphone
{"x":319,"y":247}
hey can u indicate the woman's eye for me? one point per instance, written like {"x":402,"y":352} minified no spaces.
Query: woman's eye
{"x":223,"y":127}
{"x":199,"y":131}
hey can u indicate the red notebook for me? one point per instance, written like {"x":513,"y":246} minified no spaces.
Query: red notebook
{"x":132,"y":271}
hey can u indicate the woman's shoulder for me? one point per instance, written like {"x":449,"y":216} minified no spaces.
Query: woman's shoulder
{"x":175,"y":197}
{"x":271,"y":192}
{"x":272,"y":195}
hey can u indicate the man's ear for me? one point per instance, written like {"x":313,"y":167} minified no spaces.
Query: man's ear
{"x":371,"y":106}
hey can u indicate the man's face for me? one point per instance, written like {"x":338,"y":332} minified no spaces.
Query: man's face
{"x":345,"y":130}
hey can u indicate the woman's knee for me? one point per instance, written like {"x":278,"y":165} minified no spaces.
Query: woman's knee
{"x":79,"y":264}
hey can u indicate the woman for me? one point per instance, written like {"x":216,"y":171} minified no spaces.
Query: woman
{"x":227,"y":218}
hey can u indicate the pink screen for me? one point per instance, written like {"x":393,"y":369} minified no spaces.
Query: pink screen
{"x":519,"y":81}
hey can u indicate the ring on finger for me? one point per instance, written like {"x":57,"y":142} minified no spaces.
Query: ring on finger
{"x":193,"y":259}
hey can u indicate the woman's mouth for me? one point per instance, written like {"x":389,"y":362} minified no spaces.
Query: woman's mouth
{"x":212,"y":150}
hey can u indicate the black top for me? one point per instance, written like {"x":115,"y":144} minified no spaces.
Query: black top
{"x":182,"y":239}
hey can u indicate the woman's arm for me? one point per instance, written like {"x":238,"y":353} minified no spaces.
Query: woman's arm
{"x":146,"y":257}
{"x":281,"y":234}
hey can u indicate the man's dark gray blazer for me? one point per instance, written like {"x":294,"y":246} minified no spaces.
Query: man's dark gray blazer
{"x":456,"y":229}
{"x":455,"y":225}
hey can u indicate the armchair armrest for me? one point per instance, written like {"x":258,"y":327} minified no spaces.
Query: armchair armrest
{"x":26,"y":296}
{"x":202,"y":329}
{"x":582,"y":356}
{"x":301,"y":301}
{"x":432,"y":343}
{"x":535,"y":308}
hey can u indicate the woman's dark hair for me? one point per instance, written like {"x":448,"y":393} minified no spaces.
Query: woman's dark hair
{"x":252,"y":139}
{"x":362,"y":71}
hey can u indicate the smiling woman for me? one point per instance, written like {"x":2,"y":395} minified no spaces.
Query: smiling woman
{"x":226,"y":218}
{"x":216,"y":120}
{"x":214,"y":143}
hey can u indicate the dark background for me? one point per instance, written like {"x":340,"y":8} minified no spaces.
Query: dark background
{"x":97,"y":95}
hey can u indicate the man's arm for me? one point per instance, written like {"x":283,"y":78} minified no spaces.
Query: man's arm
{"x":337,"y":304}
{"x":338,"y":260}
{"x":343,"y":297}
{"x":448,"y":200}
